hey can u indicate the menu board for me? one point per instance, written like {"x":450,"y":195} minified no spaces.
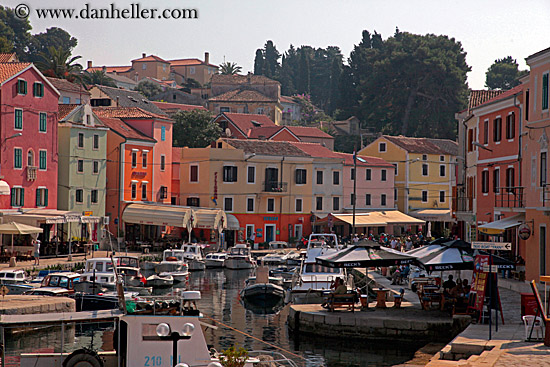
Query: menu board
{"x":479,"y":282}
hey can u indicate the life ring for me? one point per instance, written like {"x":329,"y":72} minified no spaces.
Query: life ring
{"x":83,"y":358}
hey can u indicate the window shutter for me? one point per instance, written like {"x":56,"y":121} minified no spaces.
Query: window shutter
{"x":234,"y":174}
{"x":297,"y":174}
{"x":22,"y":197}
{"x":38,"y":197}
{"x":45,"y":197}
{"x":12,"y":197}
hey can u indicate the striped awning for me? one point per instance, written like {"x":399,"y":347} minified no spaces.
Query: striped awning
{"x":158,"y":215}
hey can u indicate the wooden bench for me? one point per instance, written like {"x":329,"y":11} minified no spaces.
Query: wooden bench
{"x":342,"y":300}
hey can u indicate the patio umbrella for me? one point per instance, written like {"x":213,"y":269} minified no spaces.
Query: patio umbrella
{"x":18,"y":228}
{"x":365,"y":254}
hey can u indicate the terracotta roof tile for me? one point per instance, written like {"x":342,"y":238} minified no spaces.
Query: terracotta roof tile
{"x":503,"y":95}
{"x":241,"y":95}
{"x":123,"y":129}
{"x":247,"y":121}
{"x":369,"y":161}
{"x":287,"y":99}
{"x":10,"y":69}
{"x":424,"y":145}
{"x":316,"y":150}
{"x":174,"y":107}
{"x":151,"y":58}
{"x":110,"y":69}
{"x":309,"y":132}
{"x":478,"y":97}
{"x":127,"y":112}
{"x":263,"y":131}
{"x":242,"y":79}
{"x":8,"y":57}
{"x":65,"y":109}
{"x":65,"y":85}
{"x":189,"y":62}
{"x":267,"y":147}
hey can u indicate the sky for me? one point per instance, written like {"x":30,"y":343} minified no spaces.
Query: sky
{"x":233,"y":30}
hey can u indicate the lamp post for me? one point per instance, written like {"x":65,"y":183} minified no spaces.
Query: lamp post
{"x":354,"y":201}
{"x":164,"y":333}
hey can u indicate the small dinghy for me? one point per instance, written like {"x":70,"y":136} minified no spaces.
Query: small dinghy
{"x":157,"y":281}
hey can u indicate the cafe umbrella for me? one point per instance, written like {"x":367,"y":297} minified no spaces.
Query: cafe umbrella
{"x":18,"y":228}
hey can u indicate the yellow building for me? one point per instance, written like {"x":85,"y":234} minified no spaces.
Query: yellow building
{"x":425,"y":176}
{"x":266,"y":185}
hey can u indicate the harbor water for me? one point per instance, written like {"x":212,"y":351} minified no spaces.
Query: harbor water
{"x":251,"y":329}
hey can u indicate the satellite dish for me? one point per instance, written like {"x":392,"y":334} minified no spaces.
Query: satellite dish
{"x":227,"y":132}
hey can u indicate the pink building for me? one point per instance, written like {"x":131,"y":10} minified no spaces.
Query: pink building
{"x":28,"y":137}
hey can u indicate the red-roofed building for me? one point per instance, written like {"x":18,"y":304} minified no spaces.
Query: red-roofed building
{"x":199,"y":70}
{"x":313,"y":135}
{"x":28,"y":138}
{"x":240,"y":124}
{"x":171,"y":108}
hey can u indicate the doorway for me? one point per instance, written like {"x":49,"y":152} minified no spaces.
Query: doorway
{"x":269,"y":232}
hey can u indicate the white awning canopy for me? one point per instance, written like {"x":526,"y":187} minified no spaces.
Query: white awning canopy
{"x":158,"y":215}
{"x":433,"y":215}
{"x":210,"y":219}
{"x":499,"y":226}
{"x":4,"y":188}
{"x":232,"y":223}
{"x":375,"y":219}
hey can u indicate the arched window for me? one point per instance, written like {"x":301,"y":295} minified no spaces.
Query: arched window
{"x":30,"y":158}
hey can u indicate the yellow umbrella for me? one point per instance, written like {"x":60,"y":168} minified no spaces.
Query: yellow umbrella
{"x":18,"y":228}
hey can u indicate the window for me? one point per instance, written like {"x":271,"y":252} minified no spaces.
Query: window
{"x":486,"y":132}
{"x":352,"y":173}
{"x":511,"y":126}
{"x":301,"y":176}
{"x":17,"y":196}
{"x":497,"y":129}
{"x":442,"y":172}
{"x":319,"y":177}
{"x":134,"y":191}
{"x":134,"y":159}
{"x":42,"y":122}
{"x":383,"y":175}
{"x":270,"y":205}
{"x":442,"y":158}
{"x":163,"y":133}
{"x":424,"y":157}
{"x":192,"y":70}
{"x":163,"y":192}
{"x":485,"y":182}
{"x":335,"y":203}
{"x":80,"y":166}
{"x":30,"y":158}
{"x":470,"y":140}
{"x":251,"y":174}
{"x":395,"y":195}
{"x":41,"y":197}
{"x":21,"y":87}
{"x":442,"y":196}
{"x":96,"y":142}
{"x":229,"y":174}
{"x":18,"y":120}
{"x":250,"y":205}
{"x":38,"y":89}
{"x":193,"y":202}
{"x":225,"y":109}
{"x":510,"y":178}
{"x":424,"y":196}
{"x":259,"y":111}
{"x":542,"y":169}
{"x":144,"y":159}
{"x":496,"y":180}
{"x":93,"y":196}
{"x":194,"y":174}
{"x":319,"y":203}
{"x":336,"y":178}
{"x":545,"y":92}
{"x":18,"y":158}
{"x":367,"y":199}
{"x":143,"y":191}
{"x":424,"y":169}
{"x":249,"y":231}
{"x":67,"y":100}
{"x":81,"y":140}
{"x":383,"y":200}
{"x":162,"y":162}
{"x":42,"y":160}
{"x":395,"y":168}
{"x":527,"y":105}
{"x":298,"y":205}
{"x":96,"y":167}
{"x":79,"y":195}
{"x":542,"y":249}
{"x":368,"y":174}
{"x":382,"y":147}
{"x":144,"y":66}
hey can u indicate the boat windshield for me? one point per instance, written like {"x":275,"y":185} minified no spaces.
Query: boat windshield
{"x":7,"y":275}
{"x":316,"y":268}
{"x":239,"y":251}
{"x":127,"y":261}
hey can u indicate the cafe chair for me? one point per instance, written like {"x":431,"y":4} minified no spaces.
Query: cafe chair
{"x":534,"y":327}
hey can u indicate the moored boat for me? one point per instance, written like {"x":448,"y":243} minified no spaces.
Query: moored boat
{"x":239,"y":257}
{"x":215,"y":260}
{"x":157,"y":281}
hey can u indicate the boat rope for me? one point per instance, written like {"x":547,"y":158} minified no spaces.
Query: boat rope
{"x":257,"y":339}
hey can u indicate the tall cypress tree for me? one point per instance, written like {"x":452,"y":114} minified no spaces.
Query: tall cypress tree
{"x":303,"y":80}
{"x":259,"y":62}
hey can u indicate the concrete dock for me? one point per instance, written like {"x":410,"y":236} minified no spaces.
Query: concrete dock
{"x":26,"y":305}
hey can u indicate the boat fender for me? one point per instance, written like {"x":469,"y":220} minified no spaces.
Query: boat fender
{"x":83,"y":358}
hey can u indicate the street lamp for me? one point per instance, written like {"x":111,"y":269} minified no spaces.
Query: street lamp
{"x":164,"y":333}
{"x":355,"y":158}
{"x":475,"y":143}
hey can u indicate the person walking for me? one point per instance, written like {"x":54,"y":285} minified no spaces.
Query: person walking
{"x":36,"y":251}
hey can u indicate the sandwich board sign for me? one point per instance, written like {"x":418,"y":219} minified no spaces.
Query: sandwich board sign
{"x":502,"y":246}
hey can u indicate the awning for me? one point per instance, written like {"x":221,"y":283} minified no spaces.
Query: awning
{"x":232,"y":223}
{"x":433,"y":215}
{"x":4,"y":188}
{"x":499,"y":226}
{"x":34,"y":219}
{"x":210,"y":219}
{"x":70,"y":217}
{"x":377,"y":218}
{"x":158,"y":215}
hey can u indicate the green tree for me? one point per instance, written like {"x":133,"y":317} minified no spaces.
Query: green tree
{"x":15,"y":32}
{"x":259,"y":62}
{"x":148,"y":89}
{"x":230,"y":68}
{"x":97,"y":77}
{"x":191,"y":83}
{"x":503,"y":74}
{"x":303,"y":74}
{"x":58,"y":63}
{"x":271,"y":56}
{"x":194,"y":129}
{"x":53,"y":37}
{"x":234,"y":357}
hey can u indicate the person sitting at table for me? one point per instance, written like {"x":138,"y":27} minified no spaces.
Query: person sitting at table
{"x":340,"y":287}
{"x":448,"y":285}
{"x":466,"y":288}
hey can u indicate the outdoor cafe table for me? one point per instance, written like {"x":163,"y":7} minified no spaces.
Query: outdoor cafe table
{"x":381,"y":297}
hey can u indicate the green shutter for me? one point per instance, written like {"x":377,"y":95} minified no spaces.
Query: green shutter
{"x":22,"y":197}
{"x":38,"y":197}
{"x":12,"y":196}
{"x":45,"y":197}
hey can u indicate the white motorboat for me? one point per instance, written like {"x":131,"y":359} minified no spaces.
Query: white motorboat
{"x":215,"y":259}
{"x":100,"y":271}
{"x":313,"y":280}
{"x":173,"y":263}
{"x":192,"y":252}
{"x":157,"y":281}
{"x":16,"y":281}
{"x":239,"y":257}
{"x":275,"y":258}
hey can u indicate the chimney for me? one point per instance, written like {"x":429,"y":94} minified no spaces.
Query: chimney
{"x":207,"y":58}
{"x":249,"y":77}
{"x":117,"y":101}
{"x":143,"y":55}
{"x":89,"y":64}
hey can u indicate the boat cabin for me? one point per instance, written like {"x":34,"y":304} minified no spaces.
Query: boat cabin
{"x":239,"y":250}
{"x":13,"y":276}
{"x":57,"y":284}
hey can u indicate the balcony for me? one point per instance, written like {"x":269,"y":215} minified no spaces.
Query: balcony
{"x":546,"y":195}
{"x":509,"y":197}
{"x":31,"y":173}
{"x":274,"y":186}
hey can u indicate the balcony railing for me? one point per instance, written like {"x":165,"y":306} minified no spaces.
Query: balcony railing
{"x":274,"y":186}
{"x":546,"y":195}
{"x":509,"y":197}
{"x":31,"y":173}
